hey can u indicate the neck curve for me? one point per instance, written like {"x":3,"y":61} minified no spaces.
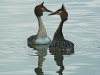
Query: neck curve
{"x":58,"y":34}
{"x":41,"y":31}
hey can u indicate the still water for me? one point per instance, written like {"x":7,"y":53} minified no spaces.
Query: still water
{"x":18,"y":22}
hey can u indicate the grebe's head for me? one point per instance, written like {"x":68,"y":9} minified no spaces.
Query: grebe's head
{"x":62,"y":12}
{"x":39,"y":9}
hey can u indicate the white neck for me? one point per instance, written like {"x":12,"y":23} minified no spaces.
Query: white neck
{"x":41,"y":31}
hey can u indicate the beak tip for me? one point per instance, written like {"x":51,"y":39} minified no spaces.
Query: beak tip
{"x":49,"y":11}
{"x":48,"y":14}
{"x":52,"y":13}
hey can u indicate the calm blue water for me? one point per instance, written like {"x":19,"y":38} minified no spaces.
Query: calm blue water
{"x":18,"y":22}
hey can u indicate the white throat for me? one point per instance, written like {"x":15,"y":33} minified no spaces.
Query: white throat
{"x":42,"y":37}
{"x":41,"y":31}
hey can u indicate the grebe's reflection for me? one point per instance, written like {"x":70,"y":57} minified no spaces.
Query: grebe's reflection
{"x":58,"y":57}
{"x":59,"y":61}
{"x":41,"y":53}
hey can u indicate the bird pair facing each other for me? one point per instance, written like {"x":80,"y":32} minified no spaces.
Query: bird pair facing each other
{"x":58,"y":38}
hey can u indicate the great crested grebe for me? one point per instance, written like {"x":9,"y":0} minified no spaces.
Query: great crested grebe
{"x":41,"y":37}
{"x":58,"y":41}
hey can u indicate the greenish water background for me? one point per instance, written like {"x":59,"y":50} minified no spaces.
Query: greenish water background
{"x":18,"y":22}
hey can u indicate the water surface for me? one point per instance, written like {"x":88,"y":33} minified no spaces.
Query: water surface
{"x":18,"y":22}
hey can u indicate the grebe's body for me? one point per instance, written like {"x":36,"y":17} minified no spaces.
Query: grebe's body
{"x":41,"y":37}
{"x":58,"y":41}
